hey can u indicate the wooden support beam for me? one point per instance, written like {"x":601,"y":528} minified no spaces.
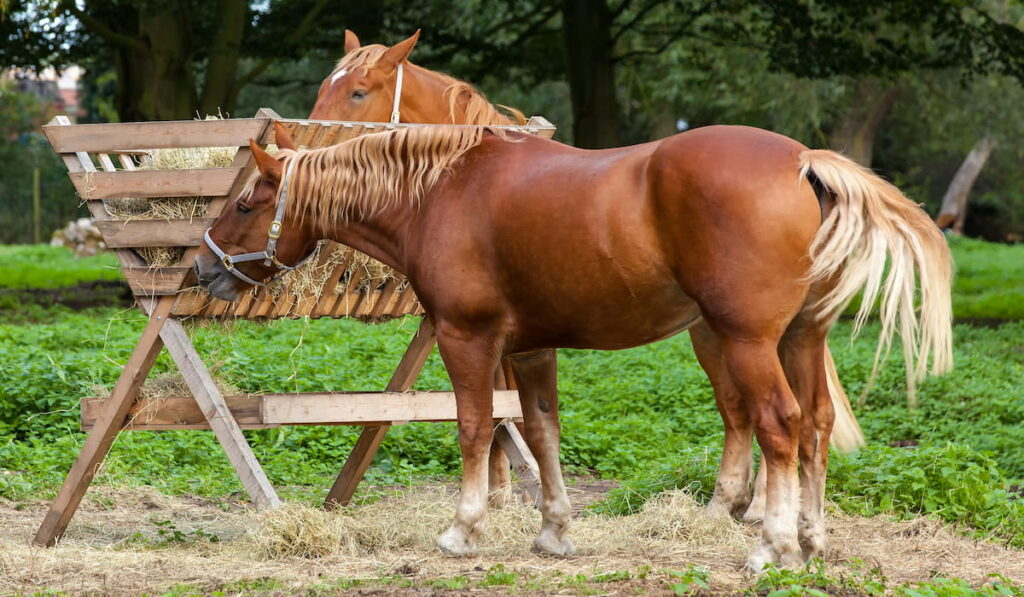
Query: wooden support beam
{"x":98,"y":443}
{"x":210,"y":401}
{"x":523,"y":462}
{"x":273,"y":410}
{"x":369,"y":442}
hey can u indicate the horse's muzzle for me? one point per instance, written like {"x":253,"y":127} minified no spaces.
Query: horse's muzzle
{"x":213,"y":277}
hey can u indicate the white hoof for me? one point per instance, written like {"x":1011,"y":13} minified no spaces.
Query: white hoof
{"x":454,"y":543}
{"x":766,"y":554}
{"x":754,"y":513}
{"x":548,"y":543}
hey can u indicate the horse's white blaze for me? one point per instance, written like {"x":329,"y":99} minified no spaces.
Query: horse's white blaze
{"x":341,"y":73}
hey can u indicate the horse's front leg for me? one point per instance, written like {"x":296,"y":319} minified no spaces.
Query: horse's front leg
{"x":470,"y":358}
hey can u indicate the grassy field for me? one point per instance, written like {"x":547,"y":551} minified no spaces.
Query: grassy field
{"x":644,"y":417}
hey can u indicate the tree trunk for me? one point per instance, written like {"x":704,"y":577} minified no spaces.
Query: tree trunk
{"x":954,"y":202}
{"x":155,"y":81}
{"x":220,"y":90}
{"x":587,"y":29}
{"x":855,"y":133}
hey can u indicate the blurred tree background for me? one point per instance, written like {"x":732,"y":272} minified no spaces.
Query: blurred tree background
{"x":909,"y":87}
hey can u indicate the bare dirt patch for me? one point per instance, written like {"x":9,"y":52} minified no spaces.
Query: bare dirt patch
{"x":131,"y":541}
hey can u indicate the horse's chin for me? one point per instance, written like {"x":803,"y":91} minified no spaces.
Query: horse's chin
{"x":224,"y":288}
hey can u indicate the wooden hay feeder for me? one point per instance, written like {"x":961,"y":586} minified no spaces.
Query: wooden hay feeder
{"x":160,"y":293}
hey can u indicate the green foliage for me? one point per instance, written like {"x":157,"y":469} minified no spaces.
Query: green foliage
{"x":989,"y":279}
{"x":690,"y":581}
{"x":953,"y":482}
{"x":43,"y":266}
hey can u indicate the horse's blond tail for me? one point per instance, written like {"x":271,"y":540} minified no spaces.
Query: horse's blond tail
{"x":873,"y":223}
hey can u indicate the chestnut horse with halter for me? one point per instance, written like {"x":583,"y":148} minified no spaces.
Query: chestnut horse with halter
{"x":369,"y":81}
{"x":517,"y":245}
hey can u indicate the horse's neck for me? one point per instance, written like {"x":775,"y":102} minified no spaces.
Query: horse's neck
{"x":381,"y":236}
{"x":423,"y":99}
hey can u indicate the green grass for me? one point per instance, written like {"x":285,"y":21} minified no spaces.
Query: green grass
{"x":43,"y":266}
{"x":989,"y":279}
{"x":644,"y":415}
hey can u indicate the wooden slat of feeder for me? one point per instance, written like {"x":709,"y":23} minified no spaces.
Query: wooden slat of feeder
{"x":385,"y":297}
{"x":405,"y":301}
{"x":317,"y":139}
{"x":155,"y":281}
{"x":204,"y":182}
{"x":328,"y":296}
{"x":154,"y":135}
{"x":191,"y":303}
{"x":153,"y":233}
{"x":365,"y":304}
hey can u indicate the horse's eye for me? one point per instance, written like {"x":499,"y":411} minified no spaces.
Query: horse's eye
{"x":359,"y":94}
{"x":244,"y":208}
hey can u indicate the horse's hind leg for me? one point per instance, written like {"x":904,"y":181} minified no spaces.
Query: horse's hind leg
{"x":803,"y":357}
{"x":536,"y":376}
{"x":754,"y":366}
{"x":732,"y":489}
{"x":471,"y":360}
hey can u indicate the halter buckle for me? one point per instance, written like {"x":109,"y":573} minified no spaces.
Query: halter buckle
{"x":226,"y":261}
{"x":275,"y":230}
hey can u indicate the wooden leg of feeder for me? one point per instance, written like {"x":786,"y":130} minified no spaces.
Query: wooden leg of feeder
{"x":507,"y":435}
{"x":369,"y":441}
{"x":106,"y":428}
{"x":217,"y":413}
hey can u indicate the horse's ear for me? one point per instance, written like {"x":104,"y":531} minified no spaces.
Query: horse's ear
{"x":282,"y":138}
{"x":351,"y":41}
{"x":399,"y":52}
{"x":270,"y":168}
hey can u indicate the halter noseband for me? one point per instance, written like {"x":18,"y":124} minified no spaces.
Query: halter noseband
{"x":268,"y":255}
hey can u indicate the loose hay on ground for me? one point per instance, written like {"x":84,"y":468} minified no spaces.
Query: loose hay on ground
{"x":301,"y":545}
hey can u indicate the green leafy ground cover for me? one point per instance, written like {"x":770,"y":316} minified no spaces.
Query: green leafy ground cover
{"x":644,"y":416}
{"x":43,"y":266}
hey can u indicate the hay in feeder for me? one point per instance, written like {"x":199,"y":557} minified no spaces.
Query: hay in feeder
{"x":170,"y":208}
{"x":309,"y":280}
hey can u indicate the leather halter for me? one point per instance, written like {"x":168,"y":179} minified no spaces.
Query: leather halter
{"x":398,"y":96}
{"x":268,"y":255}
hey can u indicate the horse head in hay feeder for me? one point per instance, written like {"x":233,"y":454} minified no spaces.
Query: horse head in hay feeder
{"x":517,"y":245}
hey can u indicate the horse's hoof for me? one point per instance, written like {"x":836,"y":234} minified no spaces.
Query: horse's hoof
{"x":765,"y":554}
{"x":755,"y":513}
{"x":455,"y":544}
{"x":549,"y":544}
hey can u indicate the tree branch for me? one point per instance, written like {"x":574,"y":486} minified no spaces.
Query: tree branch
{"x":101,"y":29}
{"x":304,"y":26}
{"x":639,"y":15}
{"x":674,"y":37}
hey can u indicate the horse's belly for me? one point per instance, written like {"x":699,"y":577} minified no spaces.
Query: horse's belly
{"x":609,"y":323}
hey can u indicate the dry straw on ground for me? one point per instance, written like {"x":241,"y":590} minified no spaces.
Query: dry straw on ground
{"x":113,"y":545}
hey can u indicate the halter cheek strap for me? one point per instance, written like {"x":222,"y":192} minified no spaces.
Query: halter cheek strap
{"x":268,"y":255}
{"x":398,"y":96}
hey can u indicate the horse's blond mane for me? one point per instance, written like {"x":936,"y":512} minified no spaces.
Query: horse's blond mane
{"x":361,"y":177}
{"x":460,"y":96}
